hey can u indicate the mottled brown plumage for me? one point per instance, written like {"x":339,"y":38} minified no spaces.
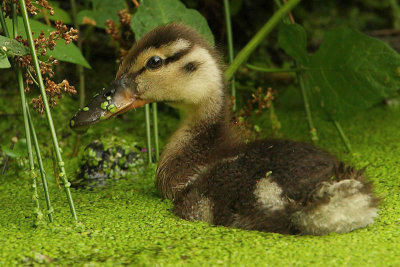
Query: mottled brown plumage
{"x":213,"y":176}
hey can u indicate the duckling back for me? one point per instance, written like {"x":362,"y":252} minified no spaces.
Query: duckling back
{"x":280,"y":186}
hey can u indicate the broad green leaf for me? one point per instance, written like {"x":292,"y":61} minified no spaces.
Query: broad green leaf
{"x":19,"y":150}
{"x":154,"y":13}
{"x":86,"y":17}
{"x":235,"y":6}
{"x":4,"y":63}
{"x":293,"y":39}
{"x":59,"y":14}
{"x":68,"y":53}
{"x":349,"y":72}
{"x":101,"y":11}
{"x":12,"y":48}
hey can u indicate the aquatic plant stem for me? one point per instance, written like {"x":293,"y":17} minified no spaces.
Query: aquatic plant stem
{"x":11,"y":148}
{"x":229,"y":36}
{"x":343,"y":136}
{"x":311,"y":127}
{"x":263,"y":69}
{"x":50,"y":209}
{"x":300,"y":78}
{"x":32,"y":172}
{"x":3,"y":24}
{"x":148,"y":132}
{"x":32,"y":133}
{"x":47,"y":108}
{"x":244,"y":54}
{"x":155,"y":130}
{"x":81,"y":73}
{"x":4,"y":27}
{"x":79,"y":68}
{"x":288,"y":17}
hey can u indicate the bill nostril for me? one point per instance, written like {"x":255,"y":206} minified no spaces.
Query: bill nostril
{"x":109,"y":93}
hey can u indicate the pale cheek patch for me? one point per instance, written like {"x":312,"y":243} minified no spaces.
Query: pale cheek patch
{"x":160,"y":85}
{"x":203,"y":83}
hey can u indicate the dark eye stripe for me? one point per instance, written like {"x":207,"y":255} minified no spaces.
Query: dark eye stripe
{"x":133,"y":75}
{"x":177,"y":56}
{"x":140,"y":71}
{"x":173,"y":58}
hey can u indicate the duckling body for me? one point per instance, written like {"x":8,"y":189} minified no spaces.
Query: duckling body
{"x":207,"y":171}
{"x":266,"y":185}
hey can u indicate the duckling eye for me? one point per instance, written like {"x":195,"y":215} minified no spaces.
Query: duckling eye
{"x":154,"y":62}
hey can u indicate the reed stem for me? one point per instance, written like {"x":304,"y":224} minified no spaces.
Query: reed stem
{"x":264,"y":69}
{"x":79,"y":68}
{"x":313,"y":130}
{"x":81,"y":73}
{"x":230,"y":47}
{"x":155,"y":129}
{"x":32,"y":128}
{"x":3,"y":24}
{"x":300,"y":78}
{"x":32,"y":173}
{"x":47,"y":108}
{"x":50,"y":209}
{"x":148,"y":132}
{"x":244,"y":54}
{"x":343,"y":136}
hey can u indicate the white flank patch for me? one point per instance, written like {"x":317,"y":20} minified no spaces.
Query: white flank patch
{"x":348,"y":209}
{"x":269,"y":195}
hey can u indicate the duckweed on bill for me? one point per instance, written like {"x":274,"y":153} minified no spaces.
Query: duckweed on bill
{"x":112,"y":108}
{"x":104,"y":105}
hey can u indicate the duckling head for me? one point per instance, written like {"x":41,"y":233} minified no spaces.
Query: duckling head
{"x":171,"y":64}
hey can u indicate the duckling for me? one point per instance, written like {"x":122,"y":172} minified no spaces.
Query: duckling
{"x":209,"y":173}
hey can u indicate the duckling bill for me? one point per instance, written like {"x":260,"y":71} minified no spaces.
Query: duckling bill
{"x":207,"y":170}
{"x":117,"y":98}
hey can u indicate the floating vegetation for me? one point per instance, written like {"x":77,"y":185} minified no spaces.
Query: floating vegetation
{"x":102,"y":162}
